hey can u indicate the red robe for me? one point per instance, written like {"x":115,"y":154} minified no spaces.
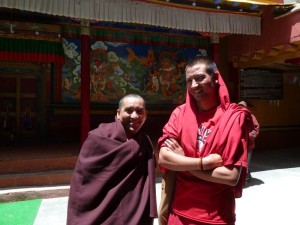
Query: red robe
{"x":114,"y":179}
{"x":197,"y":199}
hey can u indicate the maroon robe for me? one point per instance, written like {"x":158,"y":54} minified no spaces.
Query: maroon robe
{"x":114,"y":179}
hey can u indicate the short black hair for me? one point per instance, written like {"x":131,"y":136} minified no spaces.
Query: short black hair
{"x":211,"y":66}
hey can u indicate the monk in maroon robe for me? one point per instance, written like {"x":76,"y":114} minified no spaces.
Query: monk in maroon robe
{"x":114,"y":178}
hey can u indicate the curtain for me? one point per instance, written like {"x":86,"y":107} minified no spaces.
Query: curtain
{"x":127,"y":11}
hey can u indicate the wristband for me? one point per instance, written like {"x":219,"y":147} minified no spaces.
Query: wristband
{"x":200,"y":166}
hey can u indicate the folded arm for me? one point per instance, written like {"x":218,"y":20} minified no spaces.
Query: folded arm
{"x":223,"y":175}
{"x":172,"y":157}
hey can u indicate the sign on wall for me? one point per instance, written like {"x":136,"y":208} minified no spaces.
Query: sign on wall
{"x":154,"y":72}
{"x":261,"y":84}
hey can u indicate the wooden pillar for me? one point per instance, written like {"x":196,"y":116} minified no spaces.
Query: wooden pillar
{"x":214,"y":40}
{"x":58,"y":90}
{"x":234,"y":78}
{"x":85,"y":80}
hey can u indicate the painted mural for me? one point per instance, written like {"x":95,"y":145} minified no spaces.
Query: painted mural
{"x":154,"y":72}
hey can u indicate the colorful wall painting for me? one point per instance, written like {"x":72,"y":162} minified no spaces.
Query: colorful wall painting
{"x":154,"y":72}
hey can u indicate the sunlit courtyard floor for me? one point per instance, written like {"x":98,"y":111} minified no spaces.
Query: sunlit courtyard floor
{"x":271,"y":198}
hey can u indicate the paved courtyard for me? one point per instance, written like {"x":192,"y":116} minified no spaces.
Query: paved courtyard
{"x":271,"y":198}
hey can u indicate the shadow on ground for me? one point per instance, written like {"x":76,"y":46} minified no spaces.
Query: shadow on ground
{"x":275,"y":159}
{"x":253,"y":182}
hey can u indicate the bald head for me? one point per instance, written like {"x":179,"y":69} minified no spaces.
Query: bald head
{"x":135,"y":96}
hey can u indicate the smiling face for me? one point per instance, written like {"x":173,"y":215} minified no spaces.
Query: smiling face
{"x":201,"y":86}
{"x":199,"y":83}
{"x":132,"y":114}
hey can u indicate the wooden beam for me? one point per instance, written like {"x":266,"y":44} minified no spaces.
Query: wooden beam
{"x":244,"y":59}
{"x":257,"y":56}
{"x":291,"y":48}
{"x":264,"y":57}
{"x":273,"y":52}
{"x":269,"y":60}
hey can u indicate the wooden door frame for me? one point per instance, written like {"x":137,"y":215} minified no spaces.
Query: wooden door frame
{"x":19,"y":71}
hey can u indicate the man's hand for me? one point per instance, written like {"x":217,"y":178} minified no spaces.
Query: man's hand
{"x":173,"y":145}
{"x":211,"y":161}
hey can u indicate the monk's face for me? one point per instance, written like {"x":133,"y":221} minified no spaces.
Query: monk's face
{"x":132,"y":115}
{"x":200,"y":84}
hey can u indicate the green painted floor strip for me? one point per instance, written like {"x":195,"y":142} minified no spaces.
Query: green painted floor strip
{"x":19,"y":213}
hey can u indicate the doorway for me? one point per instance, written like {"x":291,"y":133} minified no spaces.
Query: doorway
{"x":21,"y":106}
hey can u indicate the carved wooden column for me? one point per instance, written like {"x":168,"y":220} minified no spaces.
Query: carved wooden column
{"x":214,"y":40}
{"x":85,"y":79}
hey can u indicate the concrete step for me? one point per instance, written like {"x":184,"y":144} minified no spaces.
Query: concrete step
{"x":36,"y":171}
{"x":48,"y":178}
{"x":39,"y":171}
{"x":37,"y":165}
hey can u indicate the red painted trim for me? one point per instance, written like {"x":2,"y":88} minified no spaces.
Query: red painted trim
{"x":215,"y":53}
{"x":30,"y":56}
{"x":85,"y":87}
{"x":59,"y":83}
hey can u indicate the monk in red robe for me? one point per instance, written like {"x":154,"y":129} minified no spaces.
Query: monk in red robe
{"x":206,"y":124}
{"x":114,"y":179}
